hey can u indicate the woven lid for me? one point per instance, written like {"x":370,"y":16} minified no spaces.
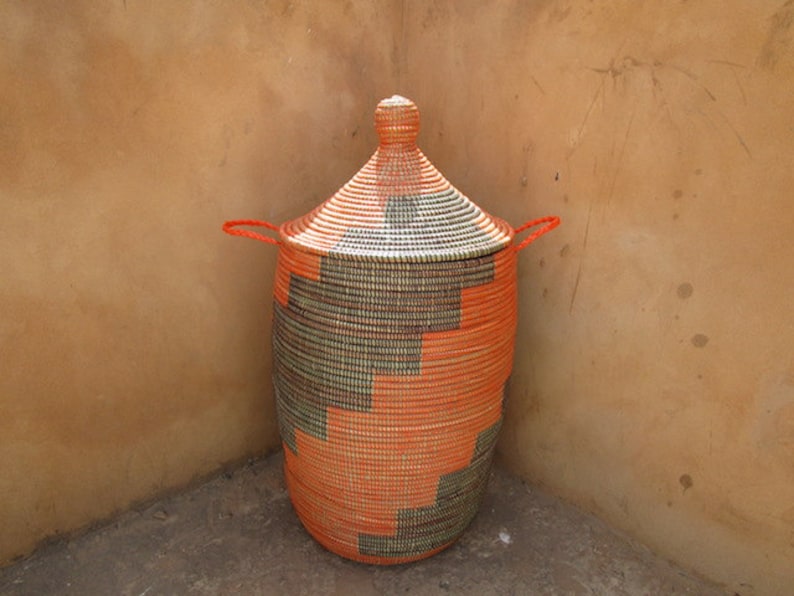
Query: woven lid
{"x":398,"y":207}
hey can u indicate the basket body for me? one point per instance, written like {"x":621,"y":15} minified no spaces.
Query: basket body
{"x":393,"y":333}
{"x":389,"y":382}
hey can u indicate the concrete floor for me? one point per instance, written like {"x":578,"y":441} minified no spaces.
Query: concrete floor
{"x":238,"y":534}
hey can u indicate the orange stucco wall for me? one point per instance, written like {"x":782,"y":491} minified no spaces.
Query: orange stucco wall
{"x":654,"y":371}
{"x":653,"y":379}
{"x":134,"y":350}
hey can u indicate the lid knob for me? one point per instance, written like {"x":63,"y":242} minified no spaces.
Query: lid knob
{"x":397,"y":121}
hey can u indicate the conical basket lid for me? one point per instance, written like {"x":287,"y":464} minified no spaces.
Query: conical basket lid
{"x":398,"y":207}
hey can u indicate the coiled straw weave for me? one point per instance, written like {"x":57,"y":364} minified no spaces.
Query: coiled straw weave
{"x":393,"y":335}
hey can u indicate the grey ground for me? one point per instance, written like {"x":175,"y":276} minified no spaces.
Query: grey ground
{"x":238,"y":534}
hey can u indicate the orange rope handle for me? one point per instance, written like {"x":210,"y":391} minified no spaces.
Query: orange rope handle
{"x":551,"y":221}
{"x":229,"y":226}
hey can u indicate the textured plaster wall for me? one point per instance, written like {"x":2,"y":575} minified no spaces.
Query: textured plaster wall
{"x":133,"y":336}
{"x":654,"y":378}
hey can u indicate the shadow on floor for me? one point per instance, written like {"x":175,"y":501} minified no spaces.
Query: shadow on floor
{"x":238,"y":534}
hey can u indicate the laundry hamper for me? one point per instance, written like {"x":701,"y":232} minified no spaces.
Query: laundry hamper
{"x":393,"y":334}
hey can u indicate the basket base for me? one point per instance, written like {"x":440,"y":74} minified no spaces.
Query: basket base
{"x":351,"y":553}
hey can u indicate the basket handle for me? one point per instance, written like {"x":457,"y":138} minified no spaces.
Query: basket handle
{"x":551,"y":221}
{"x":229,"y":226}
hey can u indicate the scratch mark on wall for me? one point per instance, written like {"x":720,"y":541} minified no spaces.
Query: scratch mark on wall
{"x":576,"y":285}
{"x":739,"y":84}
{"x":711,"y":436}
{"x":696,"y":79}
{"x":579,"y":131}
{"x":736,"y":133}
{"x":732,"y":128}
{"x":581,"y":259}
{"x":734,"y":66}
{"x":661,"y":99}
{"x":534,"y":80}
{"x":617,"y":166}
{"x":614,"y":70}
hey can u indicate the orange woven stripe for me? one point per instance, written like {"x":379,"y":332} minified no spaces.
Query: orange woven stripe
{"x":393,"y":456}
{"x":295,"y":262}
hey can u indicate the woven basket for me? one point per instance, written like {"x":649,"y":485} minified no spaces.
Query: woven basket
{"x":393,"y":333}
